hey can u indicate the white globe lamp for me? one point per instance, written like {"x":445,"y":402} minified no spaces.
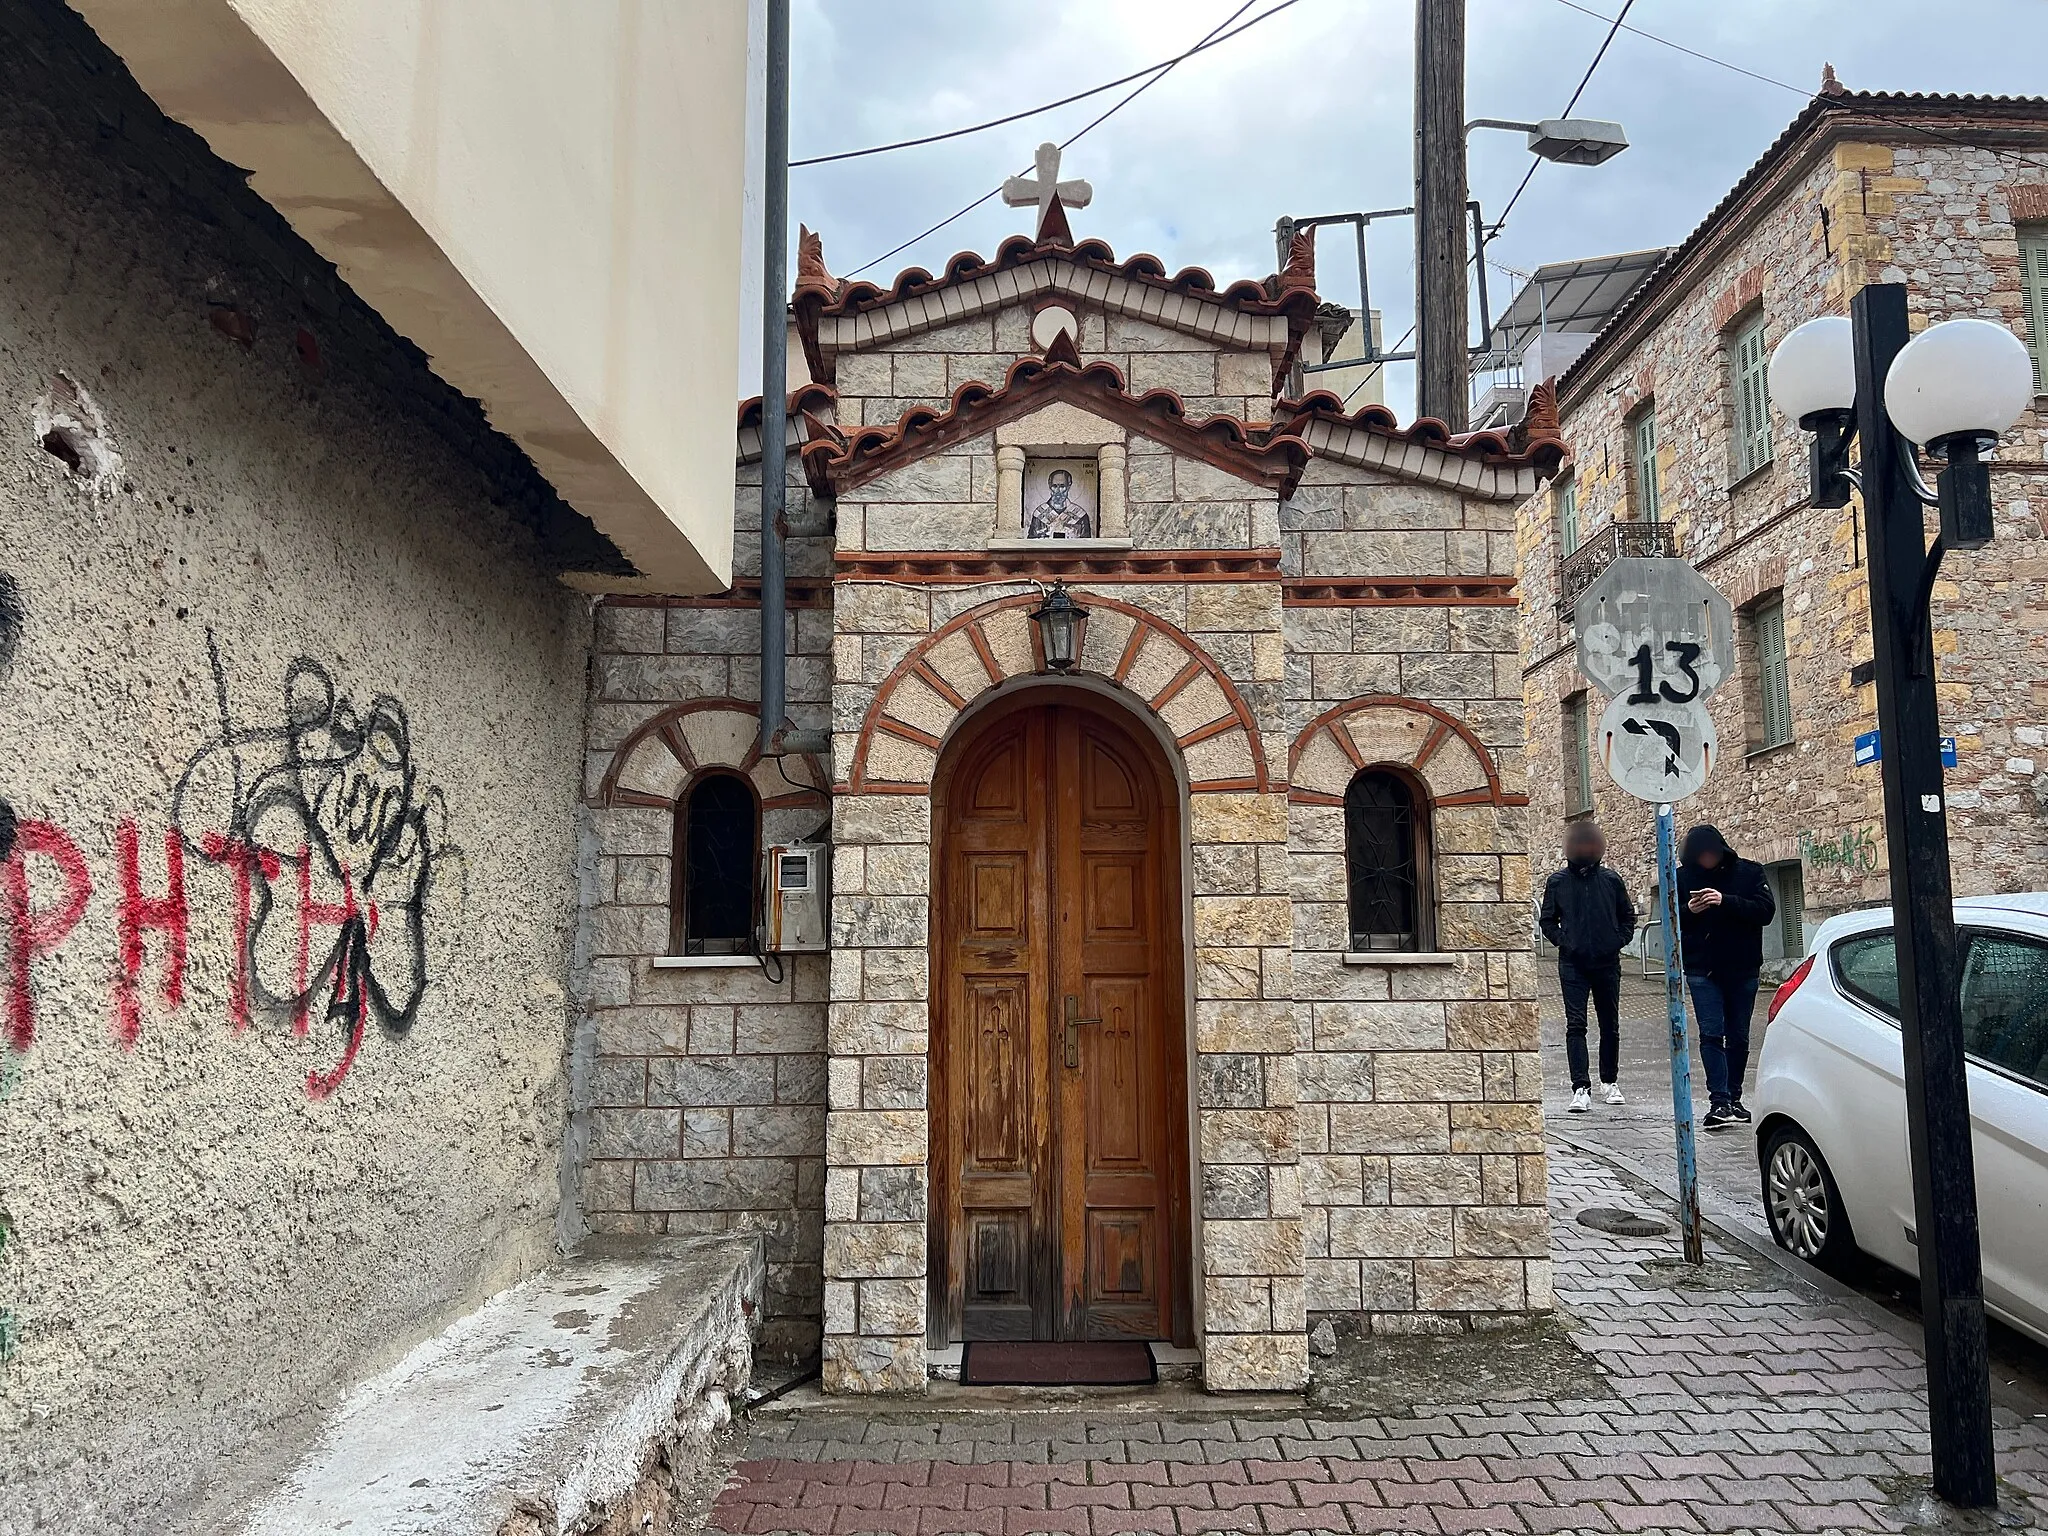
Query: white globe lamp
{"x":1813,"y":370}
{"x":1959,"y":379}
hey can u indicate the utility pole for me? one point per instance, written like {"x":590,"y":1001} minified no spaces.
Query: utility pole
{"x":1442,"y":372}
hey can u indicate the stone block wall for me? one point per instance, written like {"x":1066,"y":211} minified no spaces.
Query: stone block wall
{"x":700,"y":1090}
{"x":1936,"y":216}
{"x":1420,"y":1121}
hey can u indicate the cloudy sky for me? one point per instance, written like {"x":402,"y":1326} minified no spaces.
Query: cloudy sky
{"x":1311,"y":112}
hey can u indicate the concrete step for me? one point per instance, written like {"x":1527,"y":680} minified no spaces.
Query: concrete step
{"x":547,"y":1410}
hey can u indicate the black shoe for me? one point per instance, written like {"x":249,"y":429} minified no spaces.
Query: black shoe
{"x":1741,"y":1112}
{"x":1720,"y":1117}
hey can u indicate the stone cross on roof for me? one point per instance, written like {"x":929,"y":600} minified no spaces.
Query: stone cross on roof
{"x":1045,"y":189}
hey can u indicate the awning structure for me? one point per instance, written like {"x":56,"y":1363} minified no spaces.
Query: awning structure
{"x":1571,"y":296}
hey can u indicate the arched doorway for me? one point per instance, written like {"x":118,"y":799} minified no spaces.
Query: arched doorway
{"x":1059,"y":1045}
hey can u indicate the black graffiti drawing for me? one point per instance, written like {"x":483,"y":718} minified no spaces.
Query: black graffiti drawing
{"x":13,"y":619}
{"x":328,"y":799}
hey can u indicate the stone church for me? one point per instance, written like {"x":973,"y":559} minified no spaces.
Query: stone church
{"x":1174,"y":981}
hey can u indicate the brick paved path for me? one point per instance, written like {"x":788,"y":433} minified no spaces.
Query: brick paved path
{"x":1732,"y":1409}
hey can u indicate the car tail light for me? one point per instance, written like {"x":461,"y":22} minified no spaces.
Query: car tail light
{"x":1786,"y":988}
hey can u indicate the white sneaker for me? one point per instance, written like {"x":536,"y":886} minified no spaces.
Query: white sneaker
{"x":1614,"y":1094}
{"x":1582,"y":1100}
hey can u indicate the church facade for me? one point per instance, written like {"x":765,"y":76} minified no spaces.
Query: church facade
{"x":1179,"y":990}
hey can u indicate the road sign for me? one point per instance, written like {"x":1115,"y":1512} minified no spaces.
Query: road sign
{"x":1654,"y":628}
{"x":1658,"y":751}
{"x":1870,"y":749}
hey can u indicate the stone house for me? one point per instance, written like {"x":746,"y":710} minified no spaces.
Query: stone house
{"x":1675,"y":448}
{"x":1181,"y":994}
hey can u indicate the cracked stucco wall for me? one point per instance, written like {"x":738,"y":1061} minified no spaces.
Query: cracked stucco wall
{"x":215,"y":1223}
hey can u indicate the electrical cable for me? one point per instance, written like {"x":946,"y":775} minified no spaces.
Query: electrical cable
{"x":962,"y":213}
{"x":1584,"y":81}
{"x":1064,"y":101}
{"x":1847,"y":104}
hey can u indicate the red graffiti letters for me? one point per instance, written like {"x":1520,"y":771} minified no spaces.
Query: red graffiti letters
{"x":246,"y":862}
{"x":31,"y":933}
{"x":139,"y":913}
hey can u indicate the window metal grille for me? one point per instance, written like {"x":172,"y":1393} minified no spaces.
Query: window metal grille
{"x":719,"y":830}
{"x":1383,"y":849}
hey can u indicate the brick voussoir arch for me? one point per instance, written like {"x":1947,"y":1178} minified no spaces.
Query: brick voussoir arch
{"x":661,"y":752}
{"x":1148,"y":657}
{"x":1423,"y":738}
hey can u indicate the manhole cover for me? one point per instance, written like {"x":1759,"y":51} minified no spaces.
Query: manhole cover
{"x":1604,"y":1218}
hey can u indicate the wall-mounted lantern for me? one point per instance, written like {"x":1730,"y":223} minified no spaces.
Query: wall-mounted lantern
{"x":1059,"y":619}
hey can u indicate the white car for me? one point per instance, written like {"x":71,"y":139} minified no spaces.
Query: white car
{"x":1830,"y":1099}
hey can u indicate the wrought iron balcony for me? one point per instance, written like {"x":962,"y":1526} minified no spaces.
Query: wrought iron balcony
{"x":1575,"y":572}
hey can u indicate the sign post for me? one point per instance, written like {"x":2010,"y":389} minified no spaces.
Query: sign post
{"x":1656,"y":638}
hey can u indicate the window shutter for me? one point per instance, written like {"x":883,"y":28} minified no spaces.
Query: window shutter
{"x":1752,"y":400}
{"x":1647,"y":499}
{"x":1771,"y":670}
{"x":1568,"y":515}
{"x":1579,"y":731}
{"x":2034,"y":289}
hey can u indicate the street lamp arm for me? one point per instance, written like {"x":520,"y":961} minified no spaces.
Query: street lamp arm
{"x":1909,"y":466}
{"x":1501,"y":122}
{"x":1923,"y":605}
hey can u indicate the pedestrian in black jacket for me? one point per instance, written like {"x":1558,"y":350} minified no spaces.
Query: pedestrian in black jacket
{"x":1588,"y":916}
{"x":1724,"y":907}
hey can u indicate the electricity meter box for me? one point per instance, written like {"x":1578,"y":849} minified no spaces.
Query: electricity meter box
{"x":794,"y":905}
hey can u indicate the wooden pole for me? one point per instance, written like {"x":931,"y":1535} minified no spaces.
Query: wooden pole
{"x":1442,"y":371}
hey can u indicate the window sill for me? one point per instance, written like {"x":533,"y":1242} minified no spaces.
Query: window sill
{"x":1396,"y":957}
{"x":1039,"y":546}
{"x":1757,"y":754}
{"x":706,"y":962}
{"x":1744,"y":481}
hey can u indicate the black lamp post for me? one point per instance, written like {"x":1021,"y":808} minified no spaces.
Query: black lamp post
{"x":1955,"y":388}
{"x":1059,"y":619}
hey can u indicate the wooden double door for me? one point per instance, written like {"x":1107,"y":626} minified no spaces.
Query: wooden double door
{"x":1060,"y":1126}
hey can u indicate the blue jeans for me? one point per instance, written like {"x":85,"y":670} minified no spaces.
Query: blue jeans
{"x":1721,"y":1006}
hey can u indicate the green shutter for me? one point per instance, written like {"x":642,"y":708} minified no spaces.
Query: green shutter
{"x":1578,"y":726}
{"x":1647,"y":500}
{"x":1773,"y":683}
{"x":1752,"y":400}
{"x":1568,"y":515}
{"x":2034,"y":288}
{"x":1792,"y":909}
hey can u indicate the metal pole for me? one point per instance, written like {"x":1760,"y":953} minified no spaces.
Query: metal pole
{"x":1681,"y":1050}
{"x":1442,"y":374}
{"x":774,"y":379}
{"x":1923,"y":918}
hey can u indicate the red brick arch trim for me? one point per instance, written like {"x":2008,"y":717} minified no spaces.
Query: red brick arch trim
{"x":1175,"y":679}
{"x":662,"y":751}
{"x":1389,"y":729}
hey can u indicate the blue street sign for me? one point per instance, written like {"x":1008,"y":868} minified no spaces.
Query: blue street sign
{"x":1869,"y":749}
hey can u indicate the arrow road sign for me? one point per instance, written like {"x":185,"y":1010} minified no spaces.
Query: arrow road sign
{"x":1657,"y":750}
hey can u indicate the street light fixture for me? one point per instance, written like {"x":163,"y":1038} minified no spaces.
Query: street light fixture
{"x":1567,"y":140}
{"x":1953,"y":390}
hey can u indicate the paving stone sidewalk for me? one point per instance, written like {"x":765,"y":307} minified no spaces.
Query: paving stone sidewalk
{"x":1746,"y":1404}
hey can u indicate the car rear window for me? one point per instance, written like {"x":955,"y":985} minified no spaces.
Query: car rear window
{"x":1867,"y":966}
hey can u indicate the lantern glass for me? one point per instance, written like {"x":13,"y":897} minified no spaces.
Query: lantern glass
{"x":1961,"y":378}
{"x":1813,"y":370}
{"x":1059,"y":620}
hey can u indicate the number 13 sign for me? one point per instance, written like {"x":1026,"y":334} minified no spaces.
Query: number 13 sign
{"x":1656,"y":638}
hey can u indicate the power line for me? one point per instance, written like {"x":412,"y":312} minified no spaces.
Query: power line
{"x":1065,"y":101}
{"x":1845,"y":103}
{"x":1584,"y":80}
{"x":1167,"y":69}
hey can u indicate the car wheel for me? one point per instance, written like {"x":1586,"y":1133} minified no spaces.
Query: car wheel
{"x":1802,"y":1202}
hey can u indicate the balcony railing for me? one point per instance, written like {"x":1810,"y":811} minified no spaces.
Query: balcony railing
{"x":1576,"y":571}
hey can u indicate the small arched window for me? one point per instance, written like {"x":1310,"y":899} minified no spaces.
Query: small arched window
{"x":1386,"y":857}
{"x":717,"y":860}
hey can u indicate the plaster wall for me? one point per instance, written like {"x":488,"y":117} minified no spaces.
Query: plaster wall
{"x":548,"y":201}
{"x":216,"y":1222}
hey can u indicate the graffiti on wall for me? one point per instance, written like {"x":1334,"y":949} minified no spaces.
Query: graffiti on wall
{"x":1853,"y":852}
{"x":332,"y":848}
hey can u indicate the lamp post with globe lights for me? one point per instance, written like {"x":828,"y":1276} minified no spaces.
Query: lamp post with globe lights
{"x":1953,"y":390}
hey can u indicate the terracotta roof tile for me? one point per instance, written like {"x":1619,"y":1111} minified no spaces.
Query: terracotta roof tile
{"x":1540,"y":449}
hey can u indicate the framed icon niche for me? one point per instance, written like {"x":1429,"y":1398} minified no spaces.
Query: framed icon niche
{"x":1061,"y":499}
